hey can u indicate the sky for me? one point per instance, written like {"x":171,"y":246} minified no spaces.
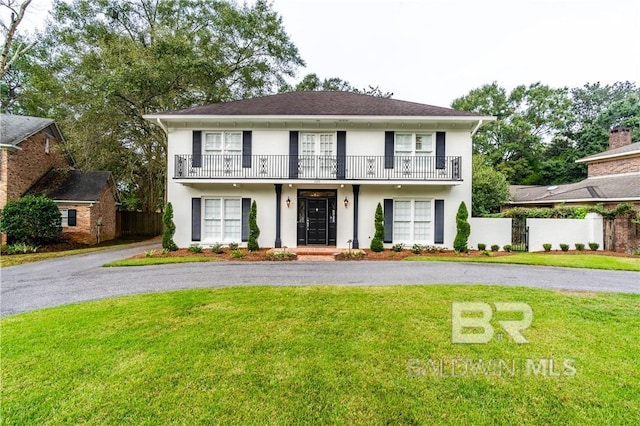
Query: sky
{"x":434,"y":51}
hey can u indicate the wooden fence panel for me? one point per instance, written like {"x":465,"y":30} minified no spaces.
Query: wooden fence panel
{"x":139,"y":223}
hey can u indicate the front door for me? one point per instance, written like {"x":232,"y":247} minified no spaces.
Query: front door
{"x":317,"y":221}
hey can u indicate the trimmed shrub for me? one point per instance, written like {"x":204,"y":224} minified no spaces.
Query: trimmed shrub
{"x":31,"y":220}
{"x":195,"y":248}
{"x":594,"y":246}
{"x":377,"y":243}
{"x":547,"y":247}
{"x":397,"y":247}
{"x":507,"y":247}
{"x":495,"y":247}
{"x":463,"y":229}
{"x":579,"y":246}
{"x":254,"y":231}
{"x":482,"y":246}
{"x":169,"y":229}
{"x":564,"y":247}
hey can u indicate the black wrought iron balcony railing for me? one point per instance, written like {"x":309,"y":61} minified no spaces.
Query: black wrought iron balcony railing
{"x":350,"y":167}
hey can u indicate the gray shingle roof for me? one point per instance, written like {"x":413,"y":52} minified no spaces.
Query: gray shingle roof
{"x":595,"y":189}
{"x":71,"y":185}
{"x":630,"y":149}
{"x":16,"y":128}
{"x":323,"y":103}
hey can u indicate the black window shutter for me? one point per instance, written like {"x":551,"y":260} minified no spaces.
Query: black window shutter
{"x":439,"y":225}
{"x":440,"y":150}
{"x":246,"y":208}
{"x":342,"y":154}
{"x":389,"y":138}
{"x":293,"y":155}
{"x":196,"y":213}
{"x":71,"y":218}
{"x":388,"y":220}
{"x":196,"y":149}
{"x":246,"y":149}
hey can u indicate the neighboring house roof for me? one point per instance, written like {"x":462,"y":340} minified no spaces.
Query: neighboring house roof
{"x":623,"y":151}
{"x":16,"y":128}
{"x":71,"y":185}
{"x":320,"y":103}
{"x":624,"y":187}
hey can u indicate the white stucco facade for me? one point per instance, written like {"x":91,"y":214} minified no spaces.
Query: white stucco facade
{"x":425,"y":197}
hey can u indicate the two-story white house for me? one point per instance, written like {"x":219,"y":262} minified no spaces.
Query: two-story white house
{"x":317,"y":164}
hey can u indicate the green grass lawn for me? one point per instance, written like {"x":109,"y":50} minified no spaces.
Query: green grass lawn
{"x":148,"y":261}
{"x":593,"y":261}
{"x":318,"y":355}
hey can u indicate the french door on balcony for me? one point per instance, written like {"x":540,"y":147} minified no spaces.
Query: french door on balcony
{"x":317,"y":217}
{"x":317,"y":156}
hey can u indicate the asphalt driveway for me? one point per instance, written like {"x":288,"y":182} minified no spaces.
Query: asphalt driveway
{"x":80,"y":278}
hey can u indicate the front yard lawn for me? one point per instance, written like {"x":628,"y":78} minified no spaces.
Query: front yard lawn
{"x":321,"y":355}
{"x":571,"y":260}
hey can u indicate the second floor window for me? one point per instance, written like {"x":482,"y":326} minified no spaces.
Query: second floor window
{"x":223,"y":143}
{"x":413,"y":144}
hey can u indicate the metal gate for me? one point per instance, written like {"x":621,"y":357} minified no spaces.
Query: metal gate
{"x":519,"y":234}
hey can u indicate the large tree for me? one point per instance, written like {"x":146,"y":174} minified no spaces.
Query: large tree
{"x":527,"y":117}
{"x":311,"y":82}
{"x":103,"y":64}
{"x":489,"y":188}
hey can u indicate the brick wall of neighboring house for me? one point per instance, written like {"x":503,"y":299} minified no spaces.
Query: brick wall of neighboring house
{"x":23,"y":167}
{"x":614,"y":166}
{"x":86,"y":229}
{"x":622,"y":233}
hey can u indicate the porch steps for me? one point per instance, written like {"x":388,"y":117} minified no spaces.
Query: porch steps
{"x":316,"y":254}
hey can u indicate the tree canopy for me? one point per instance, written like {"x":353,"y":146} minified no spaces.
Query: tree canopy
{"x":540,"y":131}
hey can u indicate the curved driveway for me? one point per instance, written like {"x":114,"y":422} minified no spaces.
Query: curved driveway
{"x":81,"y":278}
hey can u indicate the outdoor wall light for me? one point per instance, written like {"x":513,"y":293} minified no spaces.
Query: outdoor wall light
{"x":346,"y":202}
{"x":288,"y":202}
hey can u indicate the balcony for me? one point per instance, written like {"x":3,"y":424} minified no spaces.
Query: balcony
{"x":350,"y":167}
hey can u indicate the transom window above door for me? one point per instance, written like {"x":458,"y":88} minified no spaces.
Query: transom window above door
{"x":222,"y":143}
{"x":413,"y":144}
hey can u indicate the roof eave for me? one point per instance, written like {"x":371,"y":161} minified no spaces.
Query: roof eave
{"x":608,"y":157}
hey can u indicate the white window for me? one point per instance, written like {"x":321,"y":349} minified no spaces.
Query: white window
{"x":317,"y":154}
{"x":65,"y":217}
{"x":223,"y":143}
{"x":412,"y":221}
{"x":413,"y":144}
{"x":222,"y":219}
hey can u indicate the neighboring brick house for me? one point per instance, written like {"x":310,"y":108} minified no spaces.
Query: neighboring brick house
{"x":87,"y":202}
{"x":33,"y":160}
{"x":613,"y":178}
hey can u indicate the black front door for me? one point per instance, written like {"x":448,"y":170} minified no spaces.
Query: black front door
{"x":317,"y":221}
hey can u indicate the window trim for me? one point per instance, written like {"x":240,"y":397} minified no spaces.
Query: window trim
{"x":412,"y":221}
{"x":203,"y":221}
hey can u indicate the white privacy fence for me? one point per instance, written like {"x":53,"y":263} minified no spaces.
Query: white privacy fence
{"x":565,"y":231}
{"x":491,"y":231}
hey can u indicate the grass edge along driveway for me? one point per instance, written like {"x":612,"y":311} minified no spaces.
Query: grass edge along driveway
{"x":587,"y":260}
{"x":320,"y":355}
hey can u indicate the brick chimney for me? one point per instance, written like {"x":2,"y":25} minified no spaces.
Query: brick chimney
{"x":619,"y":136}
